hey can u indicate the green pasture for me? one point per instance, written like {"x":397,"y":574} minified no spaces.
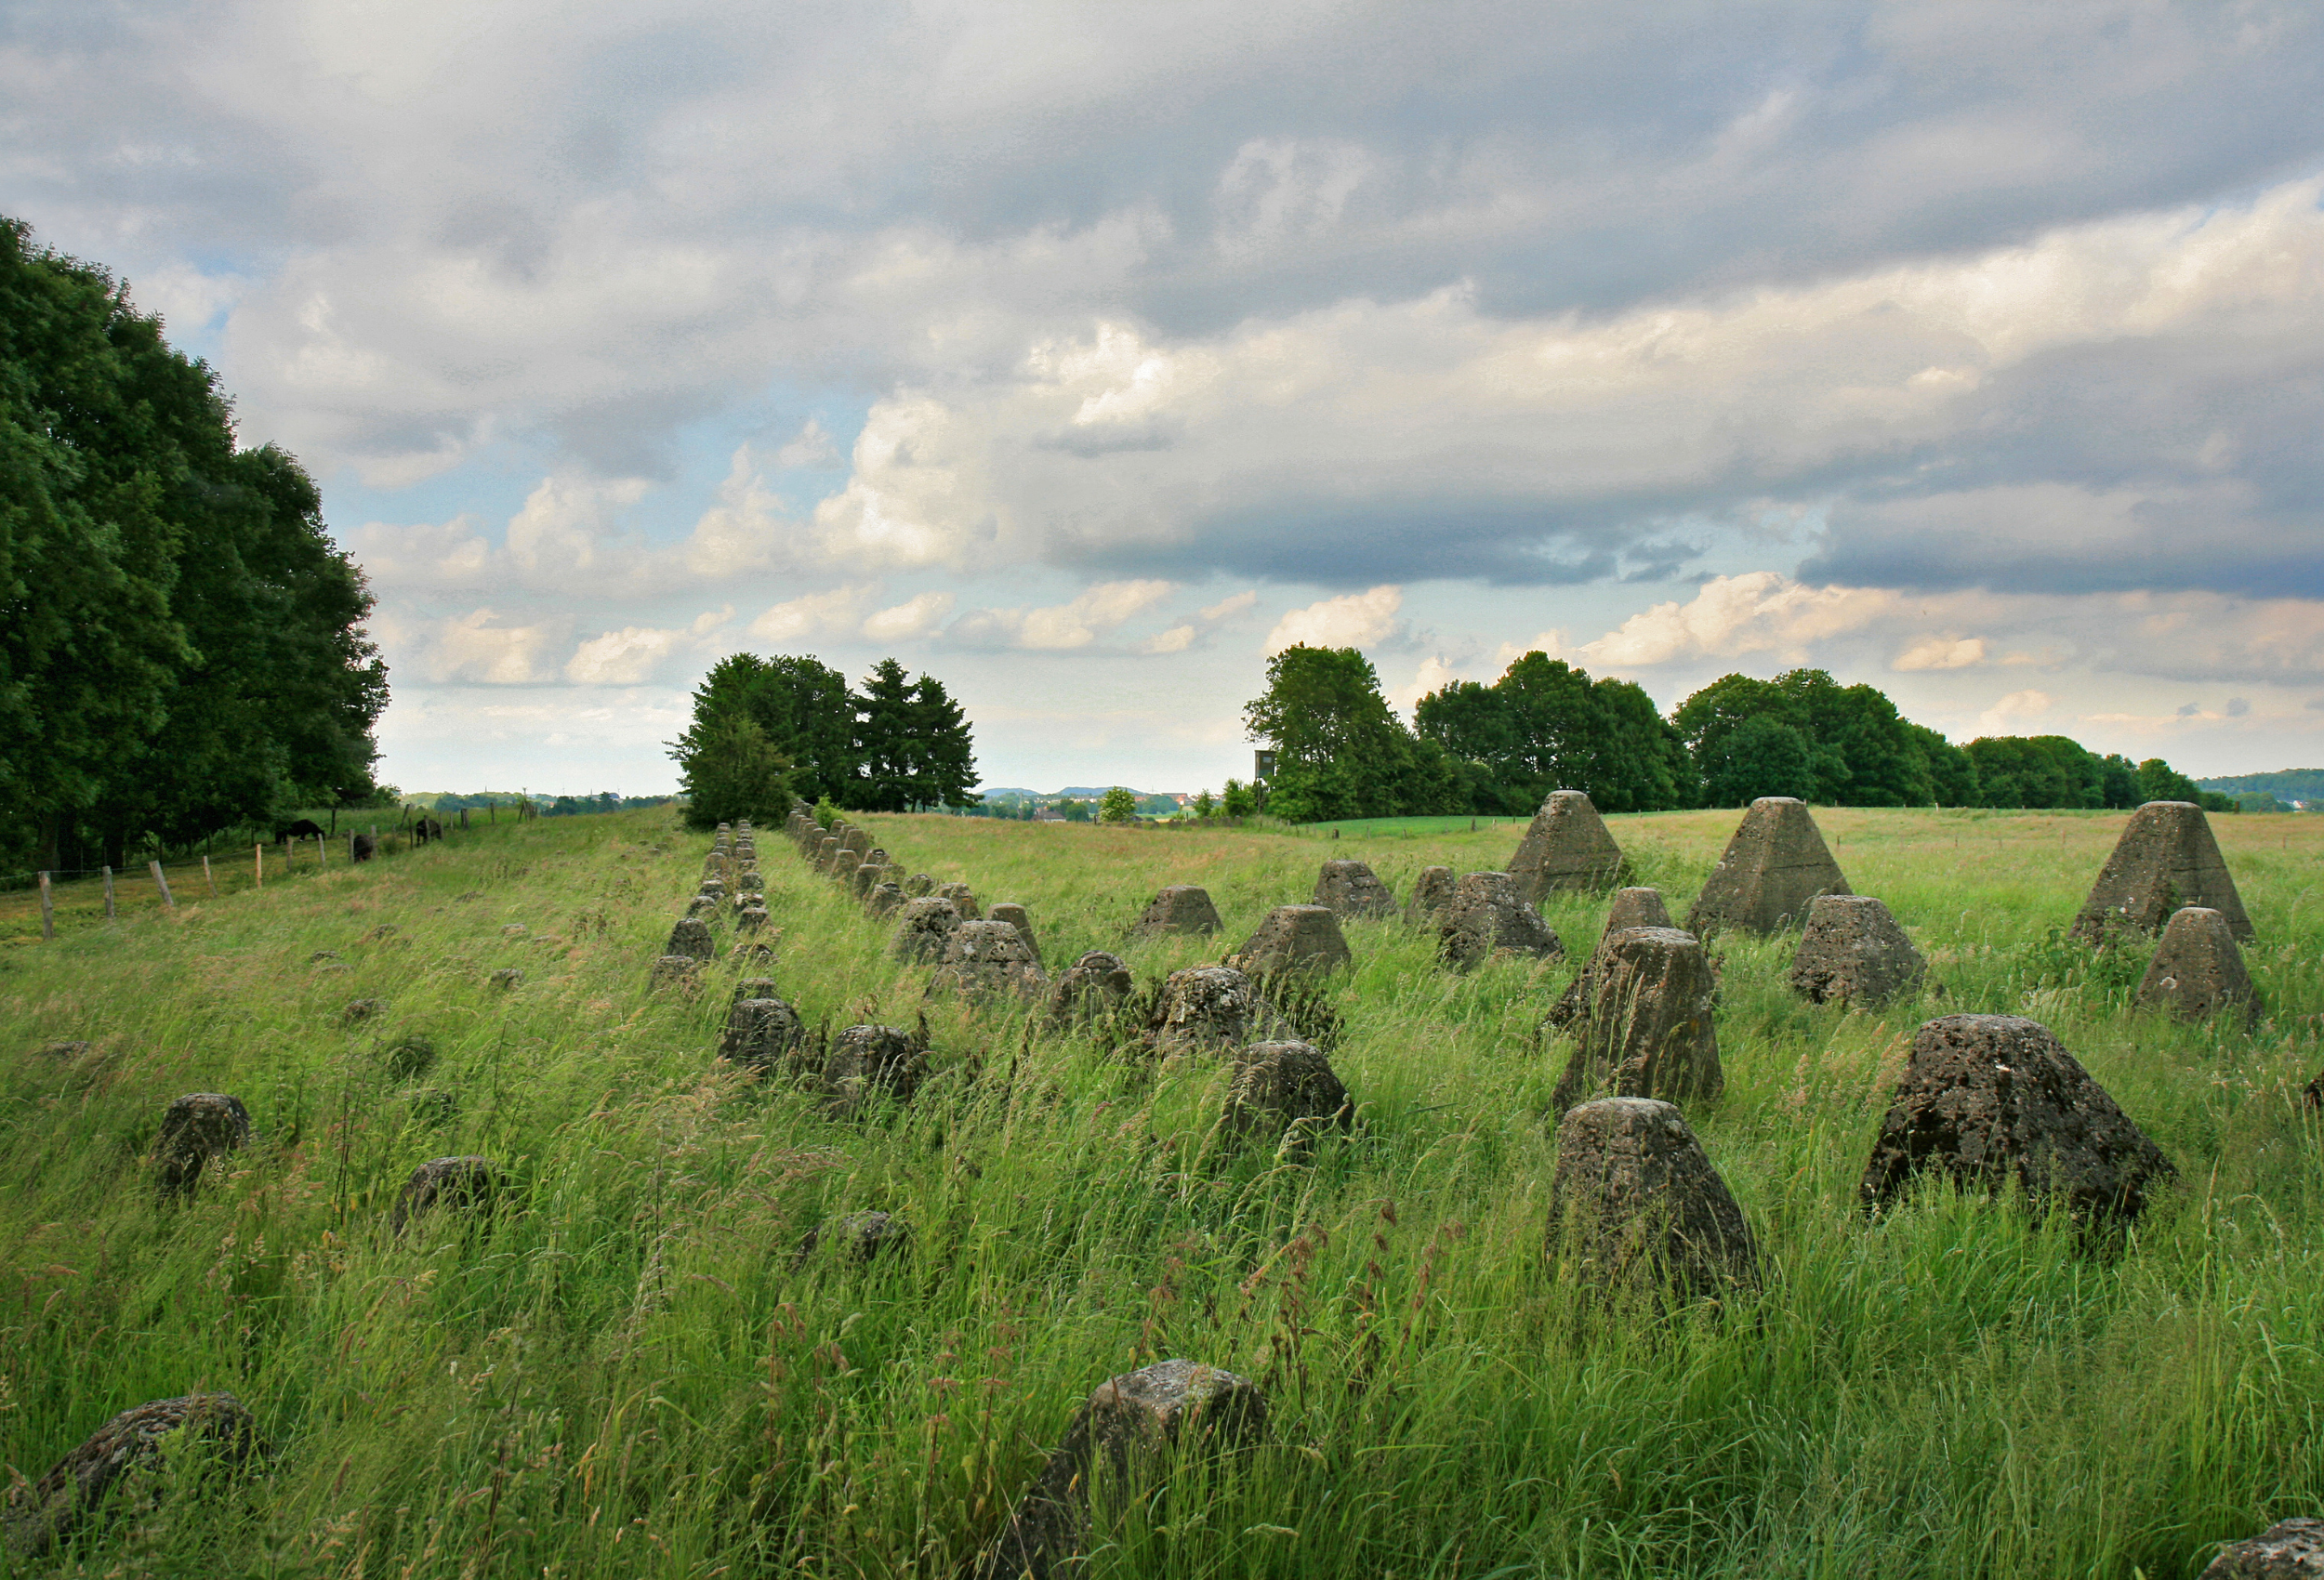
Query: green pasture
{"x":633,"y":1374}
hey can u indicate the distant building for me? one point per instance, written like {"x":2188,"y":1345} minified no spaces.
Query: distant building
{"x":1048,"y":814}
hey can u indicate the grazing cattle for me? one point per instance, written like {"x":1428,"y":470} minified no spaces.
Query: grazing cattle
{"x":305,"y":828}
{"x":363,"y":846}
{"x":425,"y":830}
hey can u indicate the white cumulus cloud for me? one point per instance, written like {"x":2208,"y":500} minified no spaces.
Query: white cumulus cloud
{"x":915,"y":617}
{"x":836,"y":613}
{"x":1355,"y":620}
{"x":1941,"y":653}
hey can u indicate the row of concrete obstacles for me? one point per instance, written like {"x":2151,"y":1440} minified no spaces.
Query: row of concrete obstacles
{"x":1992,"y":1103}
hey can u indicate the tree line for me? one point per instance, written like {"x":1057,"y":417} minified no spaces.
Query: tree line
{"x":766,"y":730}
{"x":1544,"y":725}
{"x":181,"y":646}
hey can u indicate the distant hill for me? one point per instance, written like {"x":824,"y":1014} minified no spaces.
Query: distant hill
{"x":1073,"y":792}
{"x":2285,"y":783}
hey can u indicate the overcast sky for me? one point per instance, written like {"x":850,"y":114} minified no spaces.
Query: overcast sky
{"x":1083,"y":354}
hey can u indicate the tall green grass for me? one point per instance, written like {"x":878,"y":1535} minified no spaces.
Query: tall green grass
{"x":634,"y":1374}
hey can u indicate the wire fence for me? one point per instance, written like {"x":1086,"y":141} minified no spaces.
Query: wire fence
{"x":34,"y":904}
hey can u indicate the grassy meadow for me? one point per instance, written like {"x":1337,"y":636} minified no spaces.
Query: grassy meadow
{"x":633,"y":1374}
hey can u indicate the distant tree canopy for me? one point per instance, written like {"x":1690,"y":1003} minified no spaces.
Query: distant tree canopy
{"x":1546,"y":726}
{"x":767,"y":729}
{"x":1340,"y":752}
{"x":181,"y":646}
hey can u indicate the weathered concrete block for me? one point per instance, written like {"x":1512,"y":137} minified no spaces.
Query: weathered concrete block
{"x":764,"y":1034}
{"x":691,"y":938}
{"x":121,"y":1460}
{"x":1431,"y":892}
{"x":918,"y":886}
{"x":1182,"y":908}
{"x":1635,"y":1204}
{"x":857,"y":842}
{"x":680,"y":971}
{"x":1279,"y":1085}
{"x":963,"y":899}
{"x":1773,"y":866}
{"x":508,"y":979}
{"x":748,"y":885}
{"x":988,"y":960}
{"x":750,"y":918}
{"x":453,"y":1184}
{"x":1640,"y":1013}
{"x":1094,"y":985}
{"x":1350,"y":888}
{"x":2290,"y":1550}
{"x":1566,"y":845}
{"x":1205,"y":1008}
{"x":1294,"y":938}
{"x":921,"y":929}
{"x":1636,"y":908}
{"x":1487,"y":919}
{"x":885,"y":899}
{"x":2197,"y":970}
{"x":702,"y":908}
{"x":827,"y":851}
{"x":1991,"y":1099}
{"x":1120,"y":1440}
{"x":868,"y":877}
{"x":1016,"y":917}
{"x":867,"y":1061}
{"x":197,"y":1129}
{"x":842,"y":871}
{"x":2165,"y":862}
{"x":713,"y":888}
{"x":1853,"y":951}
{"x":856,"y":1237}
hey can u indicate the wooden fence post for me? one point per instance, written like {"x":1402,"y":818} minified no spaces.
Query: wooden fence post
{"x":322,"y":859}
{"x":258,"y":865}
{"x":48,"y":912}
{"x":163,"y":884}
{"x":207,"y":879}
{"x":109,"y":894}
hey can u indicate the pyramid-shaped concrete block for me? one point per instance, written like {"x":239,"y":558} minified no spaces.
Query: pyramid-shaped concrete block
{"x":1431,"y":892}
{"x":2166,"y":860}
{"x":2197,"y":970}
{"x":1566,"y":847}
{"x":1294,"y":938}
{"x":1182,"y":908}
{"x":1350,"y":888}
{"x":1994,"y":1101}
{"x":1641,"y":1015}
{"x":988,"y":959}
{"x":1853,"y":951}
{"x":1636,"y":908}
{"x":1488,"y":919}
{"x":1772,"y":867}
{"x":1636,"y":1205}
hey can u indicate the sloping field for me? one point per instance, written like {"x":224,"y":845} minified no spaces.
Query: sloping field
{"x":633,"y":1373}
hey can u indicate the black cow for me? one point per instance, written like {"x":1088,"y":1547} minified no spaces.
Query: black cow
{"x":425,"y":830}
{"x":363,"y":846}
{"x":305,"y":828}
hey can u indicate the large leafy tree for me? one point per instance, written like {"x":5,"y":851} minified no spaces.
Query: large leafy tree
{"x":1546,"y":725}
{"x":180,"y":646}
{"x":729,"y":770}
{"x":1860,"y":751}
{"x":896,"y":744}
{"x":945,"y":764}
{"x":1340,"y":751}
